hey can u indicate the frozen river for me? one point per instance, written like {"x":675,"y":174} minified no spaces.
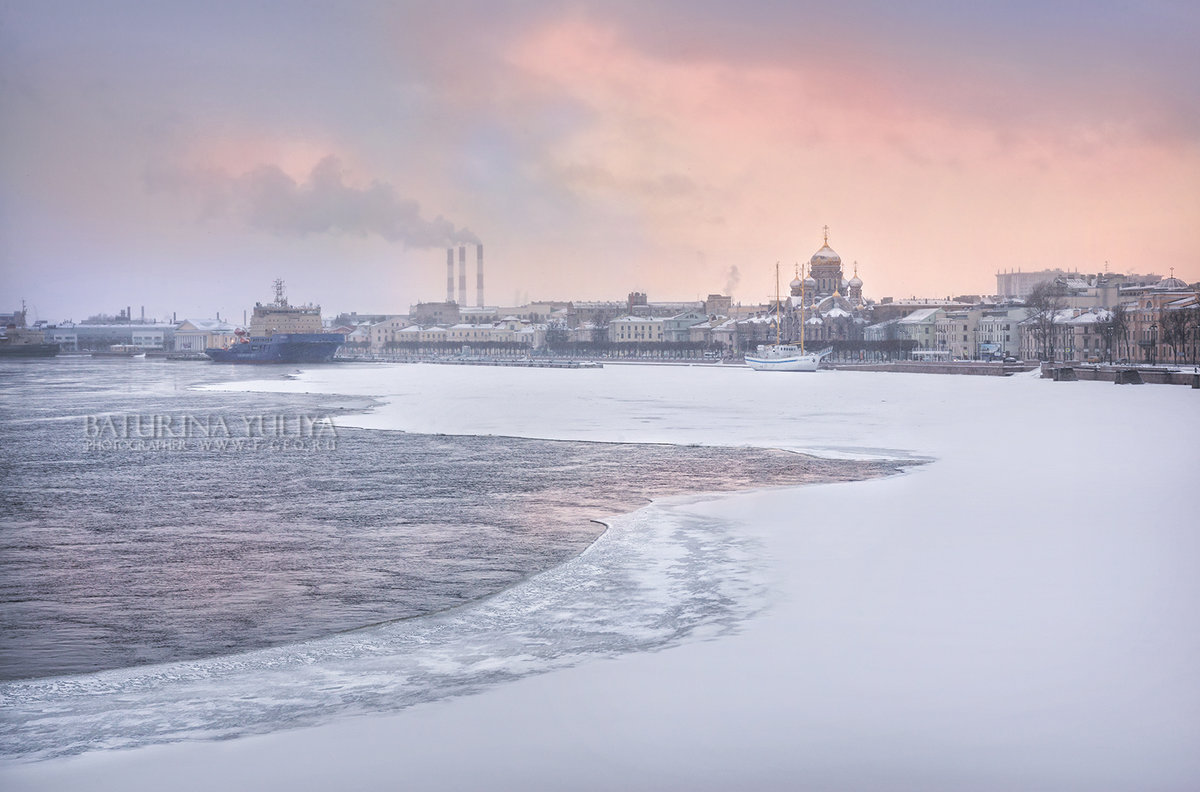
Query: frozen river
{"x":1018,"y":613}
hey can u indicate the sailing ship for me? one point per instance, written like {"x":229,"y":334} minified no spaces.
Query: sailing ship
{"x":780,"y":356}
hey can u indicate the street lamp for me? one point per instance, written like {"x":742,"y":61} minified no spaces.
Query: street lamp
{"x":1153,"y":344}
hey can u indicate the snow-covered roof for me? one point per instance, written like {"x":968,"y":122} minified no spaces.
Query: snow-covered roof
{"x":390,"y":321}
{"x":209,"y":325}
{"x":922,"y":315}
{"x":632,"y":319}
{"x":836,"y":313}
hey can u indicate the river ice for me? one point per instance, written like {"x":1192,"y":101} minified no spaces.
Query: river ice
{"x":1018,"y":613}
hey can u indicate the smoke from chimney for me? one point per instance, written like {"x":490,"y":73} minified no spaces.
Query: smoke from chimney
{"x":479,"y":275}
{"x":732,"y":279}
{"x":449,"y":274}
{"x":462,"y":274}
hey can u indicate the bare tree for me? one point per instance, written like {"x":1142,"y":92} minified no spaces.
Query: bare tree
{"x":600,"y":327}
{"x":1115,"y":328}
{"x":557,"y":336}
{"x":1194,"y":319}
{"x":1044,"y":303}
{"x":1176,"y":324}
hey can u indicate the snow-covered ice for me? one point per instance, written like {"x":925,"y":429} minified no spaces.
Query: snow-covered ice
{"x":1017,"y":614}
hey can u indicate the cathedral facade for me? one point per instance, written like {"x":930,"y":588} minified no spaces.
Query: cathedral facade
{"x":827,"y":305}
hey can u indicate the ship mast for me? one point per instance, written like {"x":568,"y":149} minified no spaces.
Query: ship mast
{"x":778,"y":310}
{"x":799,"y":274}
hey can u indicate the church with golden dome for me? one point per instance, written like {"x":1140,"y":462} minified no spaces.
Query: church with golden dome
{"x":830,"y":307}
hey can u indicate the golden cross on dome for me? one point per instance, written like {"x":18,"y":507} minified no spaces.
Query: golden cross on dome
{"x":826,"y":235}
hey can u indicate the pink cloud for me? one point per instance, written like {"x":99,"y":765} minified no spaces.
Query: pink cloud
{"x":933,"y":196}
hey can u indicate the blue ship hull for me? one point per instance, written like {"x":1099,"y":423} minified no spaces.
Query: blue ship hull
{"x":281,"y":348}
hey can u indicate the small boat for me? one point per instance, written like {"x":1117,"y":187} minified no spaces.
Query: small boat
{"x":785,"y":357}
{"x":120,"y":350}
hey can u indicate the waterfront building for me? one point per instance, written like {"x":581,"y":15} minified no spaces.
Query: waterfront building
{"x":635,"y":329}
{"x":921,"y":327}
{"x":84,"y":337}
{"x":197,"y":335}
{"x":469,"y":333}
{"x":677,"y":329}
{"x":65,"y":336}
{"x":1151,"y":312}
{"x":998,"y":332}
{"x":717,"y":305}
{"x":433,"y":335}
{"x":889,"y":308}
{"x":385,"y":333}
{"x":439,"y":313}
{"x":594,"y":312}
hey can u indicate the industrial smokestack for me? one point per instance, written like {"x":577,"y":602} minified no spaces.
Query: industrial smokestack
{"x":449,"y":274}
{"x":479,"y":275}
{"x":462,"y":274}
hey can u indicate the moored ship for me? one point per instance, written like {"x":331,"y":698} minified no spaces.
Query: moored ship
{"x":780,"y":356}
{"x":784,"y":357}
{"x":18,"y":341}
{"x":281,"y":333}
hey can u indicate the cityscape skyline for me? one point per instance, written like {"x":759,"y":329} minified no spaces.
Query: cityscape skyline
{"x":181,"y":158}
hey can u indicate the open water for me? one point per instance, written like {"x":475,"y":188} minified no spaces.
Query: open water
{"x":143,"y":521}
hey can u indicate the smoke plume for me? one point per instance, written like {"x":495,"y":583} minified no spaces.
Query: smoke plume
{"x":732,"y":280}
{"x":267,"y":199}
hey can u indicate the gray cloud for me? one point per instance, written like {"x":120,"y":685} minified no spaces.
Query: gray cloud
{"x":267,"y":199}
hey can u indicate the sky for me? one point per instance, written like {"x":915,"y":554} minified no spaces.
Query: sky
{"x":182,"y":155}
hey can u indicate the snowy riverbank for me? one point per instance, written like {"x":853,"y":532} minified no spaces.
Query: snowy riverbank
{"x":1018,"y":614}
